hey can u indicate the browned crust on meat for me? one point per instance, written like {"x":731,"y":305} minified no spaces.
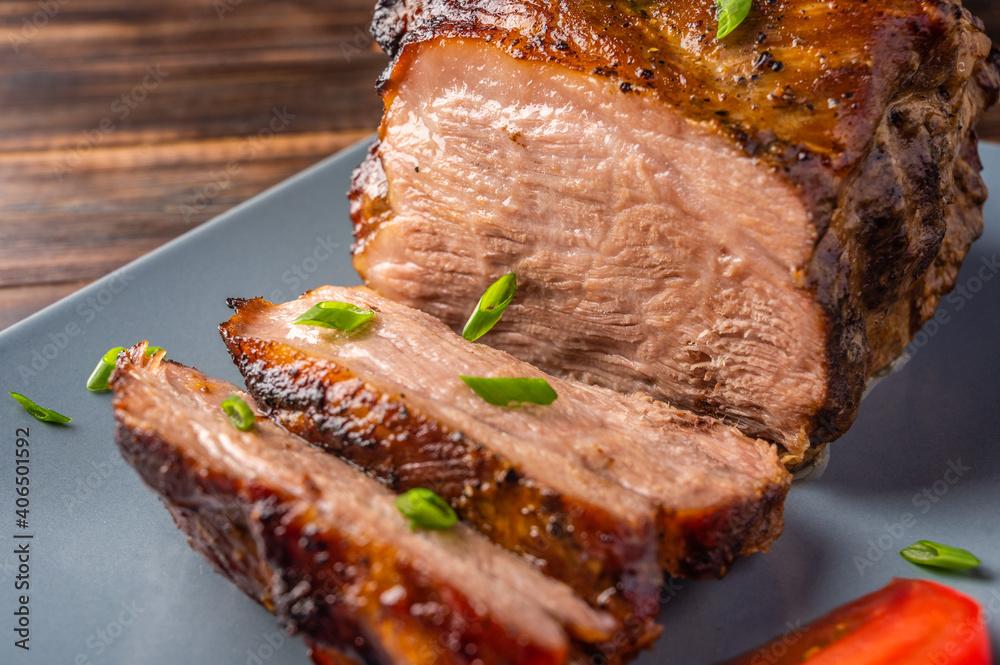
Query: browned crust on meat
{"x":872,"y":129}
{"x":323,"y":584}
{"x":403,"y":448}
{"x":963,"y":223}
{"x":368,"y":198}
{"x":713,"y":539}
{"x":768,"y":86}
{"x":905,"y":219}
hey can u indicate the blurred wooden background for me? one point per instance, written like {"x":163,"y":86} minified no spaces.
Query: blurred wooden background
{"x":118,"y":119}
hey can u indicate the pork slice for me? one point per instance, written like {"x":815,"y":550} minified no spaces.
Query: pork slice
{"x":570,"y":484}
{"x":748,"y":228}
{"x":323,"y":546}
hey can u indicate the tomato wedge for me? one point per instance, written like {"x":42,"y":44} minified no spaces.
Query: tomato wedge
{"x":907,"y":622}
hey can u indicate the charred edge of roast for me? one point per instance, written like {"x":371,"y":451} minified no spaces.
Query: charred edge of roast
{"x":323,"y":585}
{"x":919,"y":205}
{"x":403,"y":449}
{"x":904,"y":193}
{"x":846,"y":346}
{"x":369,"y":199}
{"x":713,"y":540}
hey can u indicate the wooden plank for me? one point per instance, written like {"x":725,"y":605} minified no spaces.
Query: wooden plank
{"x":19,"y":302}
{"x":158,"y":192}
{"x":103,"y":73}
{"x":121,"y":121}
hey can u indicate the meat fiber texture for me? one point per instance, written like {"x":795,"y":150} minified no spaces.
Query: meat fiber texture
{"x":748,"y":228}
{"x":323,"y":546}
{"x":598,"y":489}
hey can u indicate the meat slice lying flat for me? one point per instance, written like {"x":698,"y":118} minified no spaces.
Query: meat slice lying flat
{"x":323,"y":546}
{"x":747,"y":228}
{"x":572,"y":485}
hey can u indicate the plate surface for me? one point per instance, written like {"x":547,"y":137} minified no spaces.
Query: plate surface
{"x":113,"y":581}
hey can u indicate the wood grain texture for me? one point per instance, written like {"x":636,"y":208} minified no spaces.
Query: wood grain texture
{"x":120,"y":119}
{"x":126,"y":124}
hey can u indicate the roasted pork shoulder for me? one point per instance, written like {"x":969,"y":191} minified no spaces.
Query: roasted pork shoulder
{"x":323,"y":546}
{"x":747,"y":228}
{"x":575,"y":485}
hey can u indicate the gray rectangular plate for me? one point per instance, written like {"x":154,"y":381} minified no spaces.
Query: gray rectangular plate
{"x":113,"y":581}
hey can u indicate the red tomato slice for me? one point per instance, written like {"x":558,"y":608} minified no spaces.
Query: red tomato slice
{"x":909,"y":622}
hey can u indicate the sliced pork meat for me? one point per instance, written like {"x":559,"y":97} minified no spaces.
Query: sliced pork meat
{"x":571,"y":485}
{"x":323,"y":545}
{"x":748,"y":228}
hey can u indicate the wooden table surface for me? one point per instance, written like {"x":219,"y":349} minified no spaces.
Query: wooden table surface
{"x":119,"y":120}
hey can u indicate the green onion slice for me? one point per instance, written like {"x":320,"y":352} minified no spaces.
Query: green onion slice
{"x":151,"y":350}
{"x":507,"y":391}
{"x":731,"y":14}
{"x":490,"y":307}
{"x":927,"y":553}
{"x":40,"y":412}
{"x":240,"y":415}
{"x":333,"y":314}
{"x":98,"y":381}
{"x":426,"y":510}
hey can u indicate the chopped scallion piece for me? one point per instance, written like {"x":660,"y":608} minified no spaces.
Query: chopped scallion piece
{"x":731,"y":14}
{"x":98,"y":381}
{"x":490,"y":307}
{"x":338,"y":315}
{"x":239,"y":413}
{"x":507,"y":391}
{"x":426,"y":510}
{"x":927,"y":553}
{"x":40,"y":412}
